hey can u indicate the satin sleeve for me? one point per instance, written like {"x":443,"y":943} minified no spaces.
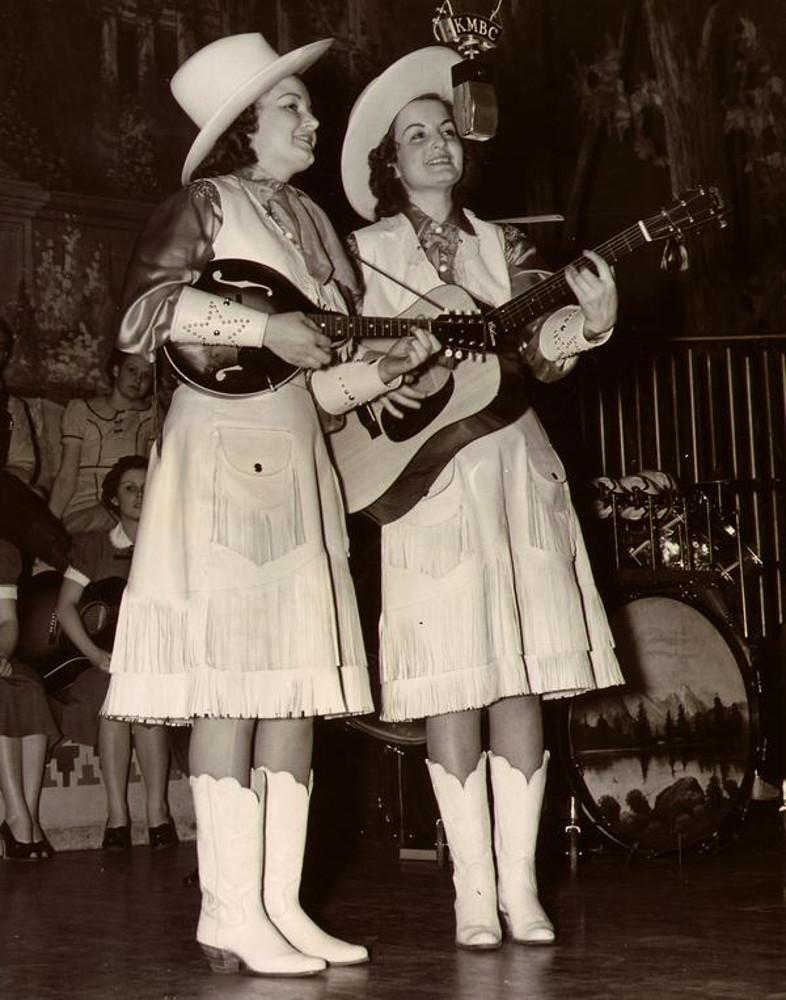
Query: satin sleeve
{"x":172,"y":251}
{"x":526,"y":268}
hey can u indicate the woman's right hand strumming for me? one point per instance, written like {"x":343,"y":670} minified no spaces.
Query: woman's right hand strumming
{"x":297,"y":340}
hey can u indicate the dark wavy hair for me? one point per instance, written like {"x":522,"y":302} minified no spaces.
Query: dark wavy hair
{"x":232,"y":150}
{"x":111,"y":483}
{"x":390,"y":193}
{"x":116,"y":357}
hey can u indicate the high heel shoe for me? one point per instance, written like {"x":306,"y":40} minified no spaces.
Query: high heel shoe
{"x":117,"y":838}
{"x":164,"y":835}
{"x":13,"y":849}
{"x":42,"y":850}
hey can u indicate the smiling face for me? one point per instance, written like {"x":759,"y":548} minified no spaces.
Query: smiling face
{"x":133,"y":377}
{"x":429,"y":154}
{"x":286,"y":130}
{"x":130,"y":493}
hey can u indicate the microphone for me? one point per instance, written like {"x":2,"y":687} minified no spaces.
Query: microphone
{"x":474,"y":100}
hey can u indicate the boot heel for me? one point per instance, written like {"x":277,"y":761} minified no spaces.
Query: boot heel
{"x":221,"y":961}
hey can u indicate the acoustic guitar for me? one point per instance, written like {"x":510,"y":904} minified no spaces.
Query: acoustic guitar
{"x":43,"y":645}
{"x":386,"y":464}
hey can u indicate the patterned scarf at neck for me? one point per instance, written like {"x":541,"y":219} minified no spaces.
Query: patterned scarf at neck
{"x":311,"y":232}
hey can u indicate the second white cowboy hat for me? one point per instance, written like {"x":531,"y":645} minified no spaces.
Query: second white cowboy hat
{"x":220,"y":80}
{"x":425,"y":71}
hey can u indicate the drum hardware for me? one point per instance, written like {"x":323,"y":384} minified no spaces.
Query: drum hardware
{"x":674,"y":535}
{"x":417,"y":830}
{"x":573,"y":835}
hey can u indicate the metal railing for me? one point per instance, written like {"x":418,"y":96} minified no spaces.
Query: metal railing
{"x":712,"y":412}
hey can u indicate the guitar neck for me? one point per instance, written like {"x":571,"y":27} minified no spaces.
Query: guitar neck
{"x":554,"y":291}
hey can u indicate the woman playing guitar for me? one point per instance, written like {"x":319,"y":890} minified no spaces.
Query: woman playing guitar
{"x":488,"y":600}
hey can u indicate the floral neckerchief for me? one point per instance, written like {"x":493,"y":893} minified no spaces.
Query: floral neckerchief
{"x":441,"y":240}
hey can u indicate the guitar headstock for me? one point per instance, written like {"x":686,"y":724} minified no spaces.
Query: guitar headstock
{"x":463,"y":335}
{"x":692,"y":209}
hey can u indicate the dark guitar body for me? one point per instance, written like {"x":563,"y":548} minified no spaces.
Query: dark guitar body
{"x":240,"y":371}
{"x":42,"y":643}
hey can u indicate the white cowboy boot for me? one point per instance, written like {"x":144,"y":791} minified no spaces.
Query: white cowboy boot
{"x":517,"y":805}
{"x":286,"y":821}
{"x":465,"y":816}
{"x":233,"y":931}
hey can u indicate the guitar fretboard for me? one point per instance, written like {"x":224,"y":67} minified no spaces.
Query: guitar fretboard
{"x":554,"y":290}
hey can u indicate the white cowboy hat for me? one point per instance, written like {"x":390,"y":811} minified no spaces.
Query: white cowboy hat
{"x":222,"y":79}
{"x":425,"y":71}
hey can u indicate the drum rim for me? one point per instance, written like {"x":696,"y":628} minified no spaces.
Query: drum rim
{"x":749,"y":673}
{"x":361,"y":725}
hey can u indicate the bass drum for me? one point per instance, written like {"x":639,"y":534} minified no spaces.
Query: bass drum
{"x":667,"y":761}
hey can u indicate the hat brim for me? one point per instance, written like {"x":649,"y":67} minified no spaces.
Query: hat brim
{"x":290,"y":64}
{"x":426,"y":71}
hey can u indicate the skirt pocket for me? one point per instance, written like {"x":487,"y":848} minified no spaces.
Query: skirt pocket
{"x":435,"y":537}
{"x":257,"y":509}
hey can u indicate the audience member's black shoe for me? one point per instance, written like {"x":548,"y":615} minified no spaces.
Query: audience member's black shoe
{"x":42,"y":849}
{"x":117,"y":838}
{"x":13,"y":849}
{"x":163,"y":836}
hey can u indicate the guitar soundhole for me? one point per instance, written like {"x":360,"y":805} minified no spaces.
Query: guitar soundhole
{"x":95,"y":617}
{"x":414,"y":421}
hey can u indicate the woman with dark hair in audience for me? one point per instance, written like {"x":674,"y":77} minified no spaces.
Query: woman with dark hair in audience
{"x":26,"y":729}
{"x":98,"y":556}
{"x":96,"y":433}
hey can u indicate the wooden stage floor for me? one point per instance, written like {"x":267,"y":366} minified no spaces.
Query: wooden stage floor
{"x":97,"y":926}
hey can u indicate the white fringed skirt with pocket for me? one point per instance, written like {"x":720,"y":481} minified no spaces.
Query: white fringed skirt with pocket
{"x":487,"y":588}
{"x":240,"y":603}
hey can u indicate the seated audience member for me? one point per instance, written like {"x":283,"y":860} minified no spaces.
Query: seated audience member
{"x":96,"y":433}
{"x":97,"y":556}
{"x":18,"y":448}
{"x":26,"y":729}
{"x":26,"y":519}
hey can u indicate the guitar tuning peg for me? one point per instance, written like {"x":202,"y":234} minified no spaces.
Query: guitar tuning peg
{"x":448,"y":352}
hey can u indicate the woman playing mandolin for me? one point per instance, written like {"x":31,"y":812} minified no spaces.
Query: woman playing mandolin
{"x":240,"y":605}
{"x":488,"y":600}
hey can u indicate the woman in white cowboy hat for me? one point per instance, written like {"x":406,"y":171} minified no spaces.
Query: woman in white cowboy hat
{"x":239,"y":606}
{"x":487,"y":597}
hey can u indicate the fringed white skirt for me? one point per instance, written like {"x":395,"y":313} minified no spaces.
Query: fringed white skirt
{"x":240,"y":603}
{"x":487,"y":590}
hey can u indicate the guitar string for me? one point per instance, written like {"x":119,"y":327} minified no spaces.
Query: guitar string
{"x":551,"y":290}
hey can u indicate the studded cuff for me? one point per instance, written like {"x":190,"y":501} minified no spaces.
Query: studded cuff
{"x":562,"y":335}
{"x":343,"y":387}
{"x":203,"y":318}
